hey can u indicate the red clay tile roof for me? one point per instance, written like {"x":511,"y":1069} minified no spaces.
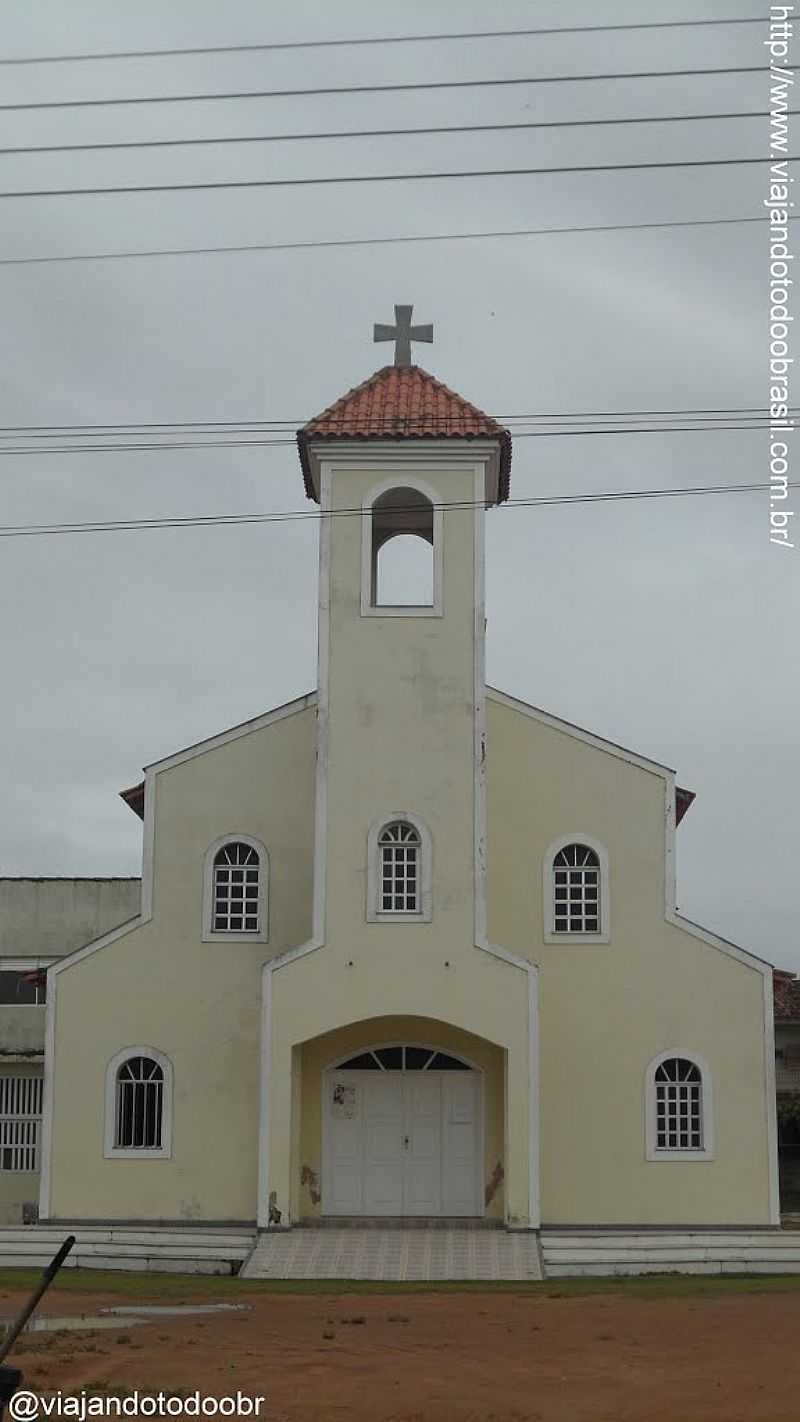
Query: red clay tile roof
{"x":404,"y":402}
{"x":683,"y":799}
{"x":135,"y":798}
{"x":786,"y":996}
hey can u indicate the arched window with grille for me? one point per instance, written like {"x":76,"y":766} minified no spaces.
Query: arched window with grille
{"x":235,"y":890}
{"x":139,"y":1103}
{"x":576,"y":890}
{"x":399,"y":877}
{"x":678,"y":1107}
{"x":399,"y":846}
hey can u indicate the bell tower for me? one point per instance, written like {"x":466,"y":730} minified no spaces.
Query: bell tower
{"x":401,"y":460}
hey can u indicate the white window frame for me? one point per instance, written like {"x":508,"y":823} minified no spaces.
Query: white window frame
{"x":211,"y":935}
{"x":32,"y":1120}
{"x":25,"y":965}
{"x":375,"y":914}
{"x":368,"y":607}
{"x":548,"y":890}
{"x":652,"y":1150}
{"x":111,"y":1151}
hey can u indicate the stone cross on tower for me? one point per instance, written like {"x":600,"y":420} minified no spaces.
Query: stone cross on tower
{"x":402,"y":333}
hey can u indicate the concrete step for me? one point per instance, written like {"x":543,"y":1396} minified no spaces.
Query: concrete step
{"x":606,"y":1252}
{"x":168,"y":1250}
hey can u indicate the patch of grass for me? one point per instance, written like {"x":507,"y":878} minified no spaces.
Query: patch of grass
{"x":194,"y":1288}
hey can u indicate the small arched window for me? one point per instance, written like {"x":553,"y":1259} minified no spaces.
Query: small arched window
{"x":400,"y":848}
{"x":235,"y":897}
{"x":401,"y":553}
{"x":576,"y":890}
{"x":236,"y":875}
{"x":678,"y":1107}
{"x":139,"y":1103}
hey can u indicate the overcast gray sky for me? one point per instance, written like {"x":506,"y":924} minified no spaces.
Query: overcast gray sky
{"x":669,"y":626}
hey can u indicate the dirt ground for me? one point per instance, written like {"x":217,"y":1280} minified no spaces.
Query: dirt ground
{"x":478,"y":1357}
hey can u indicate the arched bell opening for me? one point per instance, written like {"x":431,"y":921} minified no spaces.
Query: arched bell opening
{"x":402,"y":571}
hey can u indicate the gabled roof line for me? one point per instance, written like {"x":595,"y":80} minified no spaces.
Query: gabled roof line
{"x":134,"y":795}
{"x":580,"y":732}
{"x":243,"y":728}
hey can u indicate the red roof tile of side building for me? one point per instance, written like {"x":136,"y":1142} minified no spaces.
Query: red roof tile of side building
{"x":683,"y":799}
{"x":786,"y":996}
{"x":135,"y":798}
{"x":404,"y":402}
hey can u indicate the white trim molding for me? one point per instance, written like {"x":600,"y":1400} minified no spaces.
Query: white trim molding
{"x":162,"y":1152}
{"x":480,"y":933}
{"x":421,"y":454}
{"x":548,"y":890}
{"x":578,"y":733}
{"x":369,"y":567}
{"x":211,"y":935}
{"x":424,"y":913}
{"x":24,"y":965}
{"x":652,"y":1150}
{"x":235,"y":733}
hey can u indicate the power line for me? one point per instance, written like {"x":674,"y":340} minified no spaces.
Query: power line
{"x":214,"y":520}
{"x":377,"y":88}
{"x":375,"y":241}
{"x":381,"y":132}
{"x":395,"y":421}
{"x":115,"y":191}
{"x":376,"y":39}
{"x":290,"y":443}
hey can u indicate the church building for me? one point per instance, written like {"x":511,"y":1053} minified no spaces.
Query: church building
{"x":408,"y":947}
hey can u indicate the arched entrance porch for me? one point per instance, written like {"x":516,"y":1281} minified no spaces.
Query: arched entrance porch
{"x":400,"y":1117}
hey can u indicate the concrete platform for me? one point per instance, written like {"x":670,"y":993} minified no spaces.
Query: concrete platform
{"x":395,"y":1254}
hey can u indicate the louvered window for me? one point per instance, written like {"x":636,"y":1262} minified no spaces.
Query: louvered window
{"x":20,"y":1122}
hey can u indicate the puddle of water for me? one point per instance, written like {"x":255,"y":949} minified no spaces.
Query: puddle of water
{"x":130,"y":1315}
{"x":75,"y":1322}
{"x":172,"y":1310}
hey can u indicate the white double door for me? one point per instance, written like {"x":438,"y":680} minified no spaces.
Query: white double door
{"x":402,"y":1143}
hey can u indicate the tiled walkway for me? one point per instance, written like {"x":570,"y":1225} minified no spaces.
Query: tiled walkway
{"x":394,"y":1254}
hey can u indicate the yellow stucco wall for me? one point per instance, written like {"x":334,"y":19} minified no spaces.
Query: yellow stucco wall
{"x":197,"y":1002}
{"x":608,"y":1009}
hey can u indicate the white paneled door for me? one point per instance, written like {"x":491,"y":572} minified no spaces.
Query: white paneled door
{"x":402,"y":1143}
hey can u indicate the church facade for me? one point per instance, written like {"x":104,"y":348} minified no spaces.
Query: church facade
{"x":408,"y":947}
